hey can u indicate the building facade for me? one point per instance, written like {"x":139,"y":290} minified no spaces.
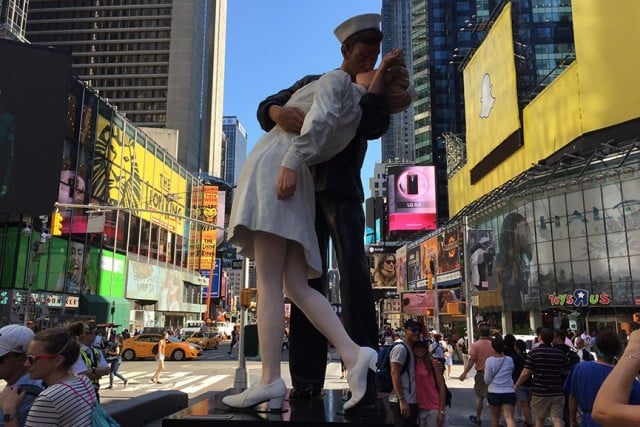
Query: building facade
{"x":13,"y":19}
{"x":234,"y":150}
{"x":548,"y":235}
{"x":398,"y":143}
{"x":127,"y":258}
{"x":160,"y":63}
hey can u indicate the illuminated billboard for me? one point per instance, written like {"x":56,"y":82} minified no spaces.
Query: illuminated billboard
{"x":412,"y":198}
{"x":128,"y":174}
{"x":203,"y":243}
{"x":491,"y":100}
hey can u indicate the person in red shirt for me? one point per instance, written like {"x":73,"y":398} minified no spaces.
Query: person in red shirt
{"x":479,"y":352}
{"x":430,"y":389}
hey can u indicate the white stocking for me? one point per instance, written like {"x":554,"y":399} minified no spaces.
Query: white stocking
{"x":270,"y":252}
{"x":314,"y":305}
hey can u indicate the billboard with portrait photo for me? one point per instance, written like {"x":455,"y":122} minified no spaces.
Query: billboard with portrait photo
{"x":411,"y":198}
{"x":482,"y":255}
{"x":384,"y":273}
{"x":80,"y":274}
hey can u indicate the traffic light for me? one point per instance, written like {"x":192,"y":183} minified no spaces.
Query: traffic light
{"x":56,"y":224}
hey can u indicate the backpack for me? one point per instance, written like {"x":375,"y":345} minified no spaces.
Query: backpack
{"x":383,"y":367}
{"x":99,"y":417}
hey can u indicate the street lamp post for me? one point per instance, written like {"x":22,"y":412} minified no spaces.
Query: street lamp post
{"x":38,"y":248}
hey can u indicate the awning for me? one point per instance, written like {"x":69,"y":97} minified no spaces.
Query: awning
{"x":100,"y":307}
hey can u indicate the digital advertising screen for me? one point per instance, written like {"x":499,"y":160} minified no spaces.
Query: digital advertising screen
{"x":412,"y":198}
{"x":34,"y":87}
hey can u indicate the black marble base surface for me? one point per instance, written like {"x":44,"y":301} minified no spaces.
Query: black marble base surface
{"x":325,"y":410}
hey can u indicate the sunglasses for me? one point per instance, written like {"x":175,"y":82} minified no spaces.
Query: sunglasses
{"x":389,"y":262}
{"x":33,"y":358}
{"x":417,"y":331}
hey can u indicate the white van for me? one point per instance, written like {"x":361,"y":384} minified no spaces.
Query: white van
{"x":225,"y":328}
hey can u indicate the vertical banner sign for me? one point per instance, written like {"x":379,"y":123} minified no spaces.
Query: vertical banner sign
{"x":202,"y":243}
{"x":213,"y":289}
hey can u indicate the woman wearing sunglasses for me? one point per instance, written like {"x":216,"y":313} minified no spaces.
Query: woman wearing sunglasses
{"x":69,"y":399}
{"x":385,"y":273}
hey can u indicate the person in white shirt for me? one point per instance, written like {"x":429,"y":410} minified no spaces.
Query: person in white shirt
{"x":498,"y":371}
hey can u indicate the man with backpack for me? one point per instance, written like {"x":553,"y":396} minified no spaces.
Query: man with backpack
{"x":403,"y":399}
{"x":571,"y":359}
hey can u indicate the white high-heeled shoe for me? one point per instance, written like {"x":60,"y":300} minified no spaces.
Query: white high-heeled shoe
{"x":357,"y":376}
{"x":258,"y":393}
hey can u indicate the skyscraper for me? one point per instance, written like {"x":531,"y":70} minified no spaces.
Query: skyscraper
{"x":234,"y":148}
{"x":13,"y":19}
{"x":398,"y":143}
{"x":161,"y":62}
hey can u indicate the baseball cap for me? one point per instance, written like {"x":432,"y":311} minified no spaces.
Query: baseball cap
{"x":15,"y":338}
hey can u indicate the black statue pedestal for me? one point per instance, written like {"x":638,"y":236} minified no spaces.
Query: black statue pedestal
{"x":325,"y":410}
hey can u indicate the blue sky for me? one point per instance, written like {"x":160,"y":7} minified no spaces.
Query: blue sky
{"x":271,"y":44}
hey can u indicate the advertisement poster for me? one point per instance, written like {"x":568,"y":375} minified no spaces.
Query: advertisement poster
{"x":384,"y":274}
{"x":203,"y":243}
{"x":429,"y":262}
{"x":482,"y":254}
{"x":412,"y":198}
{"x":416,"y":303}
{"x":413,"y":267}
{"x":401,"y":269}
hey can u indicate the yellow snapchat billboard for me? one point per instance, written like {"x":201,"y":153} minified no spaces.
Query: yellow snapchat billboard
{"x":127,"y":174}
{"x":606,"y":39}
{"x":491,"y":97}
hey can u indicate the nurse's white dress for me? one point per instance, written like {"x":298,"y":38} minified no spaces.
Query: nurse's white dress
{"x":333,"y":116}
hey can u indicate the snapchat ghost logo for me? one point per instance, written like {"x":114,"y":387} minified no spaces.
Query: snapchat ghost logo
{"x":486,"y":99}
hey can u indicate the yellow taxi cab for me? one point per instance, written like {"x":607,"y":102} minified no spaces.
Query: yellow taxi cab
{"x":141,"y":347}
{"x":206,"y":340}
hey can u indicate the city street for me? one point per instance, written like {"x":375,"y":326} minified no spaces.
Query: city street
{"x":215,"y":371}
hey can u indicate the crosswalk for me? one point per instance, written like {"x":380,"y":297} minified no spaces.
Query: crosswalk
{"x":185,"y":381}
